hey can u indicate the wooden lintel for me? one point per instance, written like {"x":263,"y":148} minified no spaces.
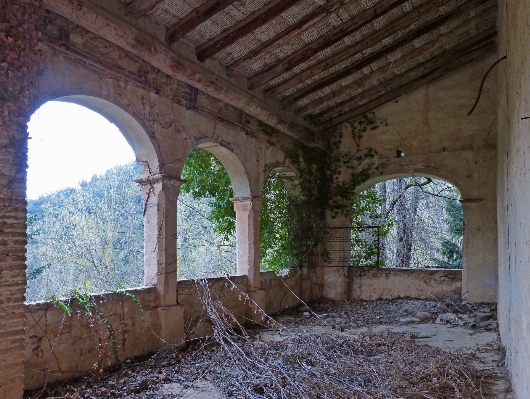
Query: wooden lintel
{"x":410,"y":86}
{"x":431,"y":27}
{"x":243,"y":28}
{"x":194,"y":18}
{"x":139,"y":8}
{"x":429,"y":65}
{"x":301,"y":25}
{"x":403,"y":61}
{"x":325,"y":41}
{"x":102,"y":22}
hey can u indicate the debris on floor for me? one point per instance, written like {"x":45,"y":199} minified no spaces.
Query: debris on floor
{"x":433,"y":349}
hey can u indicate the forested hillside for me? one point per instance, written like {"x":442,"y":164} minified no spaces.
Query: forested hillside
{"x":91,"y":238}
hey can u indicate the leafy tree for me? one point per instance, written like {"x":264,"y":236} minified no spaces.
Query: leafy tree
{"x":206,"y":178}
{"x":88,"y":238}
{"x":369,"y":210}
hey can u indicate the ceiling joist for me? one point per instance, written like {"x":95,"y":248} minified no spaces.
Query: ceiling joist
{"x":394,"y":27}
{"x":301,"y":25}
{"x":358,"y":22}
{"x":431,"y":64}
{"x":403,"y":61}
{"x":141,"y":7}
{"x":387,"y":51}
{"x":243,"y":28}
{"x":407,"y":87}
{"x":194,"y":18}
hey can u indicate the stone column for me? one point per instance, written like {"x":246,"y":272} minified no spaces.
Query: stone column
{"x":160,"y":253}
{"x":479,"y":251}
{"x":336,"y":284}
{"x":248,"y":238}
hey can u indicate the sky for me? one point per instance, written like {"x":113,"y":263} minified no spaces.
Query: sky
{"x":68,"y":144}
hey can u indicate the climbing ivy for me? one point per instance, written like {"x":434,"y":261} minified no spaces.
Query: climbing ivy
{"x":327,"y":182}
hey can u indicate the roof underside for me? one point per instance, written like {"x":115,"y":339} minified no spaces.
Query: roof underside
{"x":332,"y":58}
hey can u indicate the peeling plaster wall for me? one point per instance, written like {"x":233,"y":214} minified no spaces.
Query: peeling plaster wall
{"x":514,"y":190}
{"x":439,"y":140}
{"x":370,"y":283}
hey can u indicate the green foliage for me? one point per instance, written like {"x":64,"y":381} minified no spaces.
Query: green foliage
{"x":329,"y":178}
{"x":206,"y":177}
{"x":452,"y":247}
{"x":367,"y":211}
{"x":274,"y":223}
{"x":88,"y":238}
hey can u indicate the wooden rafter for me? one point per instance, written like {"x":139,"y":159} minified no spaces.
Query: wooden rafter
{"x":137,"y":8}
{"x":430,"y":64}
{"x":243,"y":28}
{"x":194,"y":18}
{"x":359,"y":21}
{"x":431,"y":27}
{"x":302,"y":25}
{"x":366,"y":43}
{"x":397,"y":64}
{"x":385,"y":51}
{"x":383,"y":98}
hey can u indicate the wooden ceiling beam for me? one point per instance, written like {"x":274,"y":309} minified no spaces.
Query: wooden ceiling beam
{"x":435,"y":62}
{"x":431,"y":27}
{"x":194,"y":18}
{"x":302,"y":25}
{"x":410,"y":86}
{"x":243,"y":28}
{"x":138,"y":8}
{"x":325,"y":41}
{"x":102,"y":22}
{"x":360,"y":46}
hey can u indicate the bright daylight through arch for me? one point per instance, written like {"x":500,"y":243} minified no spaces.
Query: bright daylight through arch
{"x":85,"y":224}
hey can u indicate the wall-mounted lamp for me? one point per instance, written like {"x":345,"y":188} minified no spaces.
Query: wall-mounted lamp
{"x":399,"y":153}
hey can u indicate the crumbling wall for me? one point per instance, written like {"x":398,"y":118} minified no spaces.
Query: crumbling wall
{"x":513,"y":189}
{"x":61,"y":346}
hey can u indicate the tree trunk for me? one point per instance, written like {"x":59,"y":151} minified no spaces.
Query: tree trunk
{"x":406,"y":211}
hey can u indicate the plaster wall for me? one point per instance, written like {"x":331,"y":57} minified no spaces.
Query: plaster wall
{"x":371,"y":284}
{"x":514,"y":190}
{"x":439,"y":140}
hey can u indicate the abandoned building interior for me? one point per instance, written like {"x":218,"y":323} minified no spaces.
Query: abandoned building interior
{"x":251,"y":81}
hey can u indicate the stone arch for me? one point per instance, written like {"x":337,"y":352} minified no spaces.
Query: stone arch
{"x":234,"y":167}
{"x":378,"y":179}
{"x":146,"y":154}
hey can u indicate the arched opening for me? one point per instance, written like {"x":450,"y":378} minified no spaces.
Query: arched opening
{"x":85,"y":211}
{"x":277,"y":227}
{"x":408,"y":222}
{"x":207,"y":225}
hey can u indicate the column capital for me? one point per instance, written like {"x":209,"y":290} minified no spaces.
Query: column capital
{"x":159,"y":178}
{"x":246,"y":200}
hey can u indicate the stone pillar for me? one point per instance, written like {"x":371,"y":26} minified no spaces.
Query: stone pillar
{"x":160,"y":253}
{"x":479,"y":251}
{"x":12,"y":259}
{"x":248,"y":239}
{"x":336,"y":284}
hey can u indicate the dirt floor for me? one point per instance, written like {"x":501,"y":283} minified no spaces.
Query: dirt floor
{"x":381,"y":349}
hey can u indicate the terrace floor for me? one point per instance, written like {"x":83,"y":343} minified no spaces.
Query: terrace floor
{"x":380,"y":349}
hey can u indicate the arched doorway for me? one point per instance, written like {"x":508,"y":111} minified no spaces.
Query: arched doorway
{"x":89,"y":237}
{"x":408,"y":222}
